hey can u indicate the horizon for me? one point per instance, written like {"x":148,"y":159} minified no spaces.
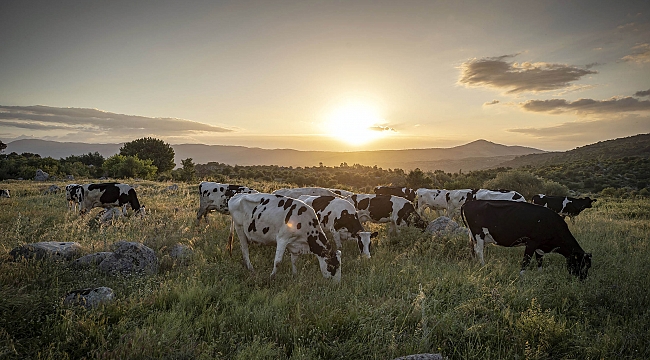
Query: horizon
{"x":311,"y":76}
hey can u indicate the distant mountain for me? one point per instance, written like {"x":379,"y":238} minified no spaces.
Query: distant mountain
{"x":477,"y":155}
{"x":632,"y":146}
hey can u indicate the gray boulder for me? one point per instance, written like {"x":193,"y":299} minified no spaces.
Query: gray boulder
{"x":90,"y":259}
{"x":89,"y":298}
{"x":128,"y":258}
{"x":181,"y":253}
{"x":49,"y":249}
{"x":70,"y":177}
{"x":421,"y":357}
{"x":444,"y":226}
{"x":53,"y":189}
{"x":41,"y":175}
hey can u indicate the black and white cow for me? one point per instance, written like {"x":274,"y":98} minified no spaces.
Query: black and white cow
{"x":339,"y":218}
{"x":456,"y":198}
{"x":434,"y":199}
{"x":74,"y":195}
{"x":285,"y":222}
{"x":395,"y":210}
{"x":215,"y":196}
{"x":107,"y":195}
{"x":563,"y":205}
{"x":404,"y":192}
{"x":509,"y":223}
{"x":4,"y":193}
{"x":311,"y":191}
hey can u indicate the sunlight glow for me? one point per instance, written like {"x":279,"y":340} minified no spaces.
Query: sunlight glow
{"x":356,"y":124}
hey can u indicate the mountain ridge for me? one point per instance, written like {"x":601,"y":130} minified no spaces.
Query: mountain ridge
{"x":475,"y":155}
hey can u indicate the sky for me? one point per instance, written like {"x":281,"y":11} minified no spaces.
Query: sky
{"x":325,"y":75}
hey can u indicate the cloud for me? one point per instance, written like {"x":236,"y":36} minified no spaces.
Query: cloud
{"x":498,"y":73}
{"x":587,"y":106}
{"x":642,"y":93}
{"x":641,"y":54}
{"x":590,"y":131}
{"x":382,"y":128}
{"x":493,"y":102}
{"x":93,"y":123}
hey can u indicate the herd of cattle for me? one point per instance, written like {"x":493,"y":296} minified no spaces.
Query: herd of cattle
{"x":299,"y":219}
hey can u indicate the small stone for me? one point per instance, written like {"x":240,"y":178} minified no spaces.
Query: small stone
{"x":49,"y":249}
{"x":89,"y":298}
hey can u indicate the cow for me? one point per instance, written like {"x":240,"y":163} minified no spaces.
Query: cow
{"x":395,"y":210}
{"x":434,"y":199}
{"x":311,"y":191}
{"x":215,"y":196}
{"x":509,"y":223}
{"x":74,"y":195}
{"x":563,"y":205}
{"x":4,"y":193}
{"x":406,"y":193}
{"x":107,"y":195}
{"x":456,"y":198}
{"x":339,"y":217}
{"x":285,"y":222}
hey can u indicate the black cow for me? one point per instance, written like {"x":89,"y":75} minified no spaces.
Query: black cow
{"x":395,"y":210}
{"x":508,"y":223}
{"x":406,"y":193}
{"x":563,"y":205}
{"x":107,"y":195}
{"x":4,"y":193}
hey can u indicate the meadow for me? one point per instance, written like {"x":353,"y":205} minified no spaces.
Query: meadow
{"x":417,"y":294}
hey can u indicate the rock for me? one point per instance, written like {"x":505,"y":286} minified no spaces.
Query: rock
{"x":172,"y":187}
{"x":53,"y":189}
{"x":181,"y":253}
{"x":70,"y":177}
{"x":90,"y":259}
{"x":441,"y":225}
{"x":108,"y":215}
{"x":130,"y":257}
{"x":89,"y":298}
{"x":41,"y":175}
{"x":51,"y":250}
{"x":421,"y":357}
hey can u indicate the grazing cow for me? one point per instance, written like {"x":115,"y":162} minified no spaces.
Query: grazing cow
{"x":509,"y":223}
{"x":339,"y":217}
{"x":311,"y":191}
{"x":456,"y":198}
{"x":434,"y":199}
{"x":286,"y":222}
{"x":215,"y":196}
{"x":74,"y":195}
{"x":395,"y":210}
{"x":406,"y":193}
{"x":4,"y":193}
{"x":563,"y":205}
{"x":107,"y":195}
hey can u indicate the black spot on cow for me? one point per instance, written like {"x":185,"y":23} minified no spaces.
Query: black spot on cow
{"x":320,"y":203}
{"x":363,"y":204}
{"x":380,"y":207}
{"x":288,"y":203}
{"x":302,"y":210}
{"x":298,"y":226}
{"x":289,"y":213}
{"x":326,"y":218}
{"x":265,"y":230}
{"x":348,"y":221}
{"x":517,"y":196}
{"x":281,"y":203}
{"x":265,"y":201}
{"x":251,"y":227}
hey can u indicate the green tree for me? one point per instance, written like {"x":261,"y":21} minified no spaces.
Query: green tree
{"x":188,"y":172}
{"x":159,"y":152}
{"x":417,"y":179}
{"x":3,"y":146}
{"x":120,"y":166}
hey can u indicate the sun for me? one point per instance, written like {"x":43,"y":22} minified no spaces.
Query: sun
{"x":356,"y":124}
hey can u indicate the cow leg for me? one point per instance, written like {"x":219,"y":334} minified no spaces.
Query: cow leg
{"x":294,"y":268}
{"x":528,"y":255}
{"x":337,"y":238}
{"x":539,"y":256}
{"x":479,"y":245}
{"x":279,"y":252}
{"x":243,"y":242}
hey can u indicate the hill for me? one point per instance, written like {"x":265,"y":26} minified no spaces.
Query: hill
{"x":477,"y":155}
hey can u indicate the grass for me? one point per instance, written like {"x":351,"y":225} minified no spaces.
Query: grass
{"x":416,"y":294}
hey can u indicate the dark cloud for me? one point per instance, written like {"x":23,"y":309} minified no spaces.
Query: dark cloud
{"x":642,"y":93}
{"x":98,"y":122}
{"x":493,"y":102}
{"x":499,"y":73}
{"x":591,"y":131}
{"x":587,"y":106}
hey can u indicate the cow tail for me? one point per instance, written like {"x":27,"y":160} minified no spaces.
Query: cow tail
{"x":231,"y":236}
{"x":462,"y":216}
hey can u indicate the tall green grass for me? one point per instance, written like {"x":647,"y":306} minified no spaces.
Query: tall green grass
{"x":416,"y":294}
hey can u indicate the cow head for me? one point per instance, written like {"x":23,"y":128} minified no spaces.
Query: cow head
{"x":330,"y":266}
{"x":363,"y":240}
{"x":414,"y":219}
{"x":579,"y":264}
{"x":588,"y":202}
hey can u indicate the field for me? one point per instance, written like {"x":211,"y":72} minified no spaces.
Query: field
{"x":417,"y":294}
